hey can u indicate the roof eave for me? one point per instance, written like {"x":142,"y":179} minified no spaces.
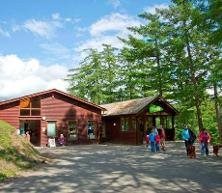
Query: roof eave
{"x":51,"y":91}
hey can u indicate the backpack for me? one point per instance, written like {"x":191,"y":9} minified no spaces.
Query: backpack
{"x":185,"y":134}
{"x":192,"y":136}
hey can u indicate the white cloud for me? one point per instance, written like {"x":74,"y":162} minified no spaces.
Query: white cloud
{"x":114,"y":3}
{"x":152,"y":9}
{"x":46,"y":28}
{"x":20,"y":77}
{"x":56,"y":50}
{"x":106,"y":30}
{"x":97,"y":42}
{"x":56,"y":16}
{"x":40,"y":28}
{"x":115,"y":22}
{"x":4,"y":33}
{"x":16,"y":28}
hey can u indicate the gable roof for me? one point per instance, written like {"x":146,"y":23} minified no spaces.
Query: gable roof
{"x":133,"y":106}
{"x":48,"y":92}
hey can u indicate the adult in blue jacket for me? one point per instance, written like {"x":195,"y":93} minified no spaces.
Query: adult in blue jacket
{"x":186,"y":137}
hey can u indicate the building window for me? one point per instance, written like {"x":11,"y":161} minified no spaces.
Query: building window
{"x":124,"y":124}
{"x":30,"y":107}
{"x":133,"y":124}
{"x":51,"y":129}
{"x":91,"y":127}
{"x":72,"y":129}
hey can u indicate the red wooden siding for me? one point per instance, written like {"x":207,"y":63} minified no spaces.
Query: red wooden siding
{"x":114,"y":133}
{"x":10,"y":113}
{"x":55,"y":106}
{"x":62,"y":109}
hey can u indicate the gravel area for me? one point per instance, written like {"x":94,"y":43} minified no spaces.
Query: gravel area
{"x":108,"y":168}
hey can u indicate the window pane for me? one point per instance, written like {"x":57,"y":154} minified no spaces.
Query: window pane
{"x":25,"y":112}
{"x":51,"y":129}
{"x":124,"y":124}
{"x":133,"y":124}
{"x":91,"y":133}
{"x":72,"y":131}
{"x":35,"y":112}
{"x":35,"y":103}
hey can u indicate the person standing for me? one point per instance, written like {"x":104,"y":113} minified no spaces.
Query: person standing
{"x":204,"y":139}
{"x":189,"y":138}
{"x":152,"y":139}
{"x":27,"y":136}
{"x":147,"y":141}
{"x":186,"y":137}
{"x":162,"y":138}
{"x":157,"y":139}
{"x":61,"y":139}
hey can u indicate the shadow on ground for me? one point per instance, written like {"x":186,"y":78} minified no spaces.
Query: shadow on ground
{"x":116,"y":168}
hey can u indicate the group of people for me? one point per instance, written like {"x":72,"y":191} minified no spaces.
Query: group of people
{"x":155,"y":140}
{"x":189,"y":138}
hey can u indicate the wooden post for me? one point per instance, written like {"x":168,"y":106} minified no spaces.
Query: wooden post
{"x":174,"y":132}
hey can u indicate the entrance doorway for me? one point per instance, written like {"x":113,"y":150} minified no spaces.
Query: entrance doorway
{"x":33,"y":126}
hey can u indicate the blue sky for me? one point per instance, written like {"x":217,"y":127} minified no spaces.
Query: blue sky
{"x":41,"y":39}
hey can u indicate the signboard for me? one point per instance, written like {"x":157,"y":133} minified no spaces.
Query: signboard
{"x":155,"y":108}
{"x":24,"y":102}
{"x":91,"y":136}
{"x":51,"y":142}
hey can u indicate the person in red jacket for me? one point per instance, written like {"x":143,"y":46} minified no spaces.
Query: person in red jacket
{"x":157,"y":138}
{"x":204,"y":140}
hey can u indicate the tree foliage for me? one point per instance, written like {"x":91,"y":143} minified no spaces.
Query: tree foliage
{"x":171,"y":54}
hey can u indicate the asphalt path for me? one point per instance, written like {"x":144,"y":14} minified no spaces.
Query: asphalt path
{"x":111,"y":168}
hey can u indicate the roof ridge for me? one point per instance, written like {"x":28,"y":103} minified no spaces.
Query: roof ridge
{"x":130,"y":100}
{"x":49,"y":91}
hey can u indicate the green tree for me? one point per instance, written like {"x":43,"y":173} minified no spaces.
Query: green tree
{"x":130,"y":75}
{"x":96,"y":77}
{"x":86,"y":81}
{"x":147,"y":54}
{"x":214,"y":14}
{"x":110,"y":66}
{"x":212,"y":22}
{"x":189,"y":52}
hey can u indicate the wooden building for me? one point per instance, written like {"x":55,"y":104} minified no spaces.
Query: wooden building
{"x":128,"y":121}
{"x":49,"y":113}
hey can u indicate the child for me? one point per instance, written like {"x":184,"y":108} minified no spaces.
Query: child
{"x":152,"y":139}
{"x":162,"y":138}
{"x":157,"y":138}
{"x":147,"y":141}
{"x":27,"y":136}
{"x":61,"y":139}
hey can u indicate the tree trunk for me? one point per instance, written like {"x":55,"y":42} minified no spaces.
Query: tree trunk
{"x":199,"y":113}
{"x":196,"y":95}
{"x":218,"y":115}
{"x":159,"y":69}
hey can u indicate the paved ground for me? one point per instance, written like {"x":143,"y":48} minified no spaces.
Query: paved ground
{"x":116,"y":168}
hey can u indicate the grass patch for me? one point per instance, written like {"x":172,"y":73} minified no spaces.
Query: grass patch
{"x":16,"y":154}
{"x":6,"y":131}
